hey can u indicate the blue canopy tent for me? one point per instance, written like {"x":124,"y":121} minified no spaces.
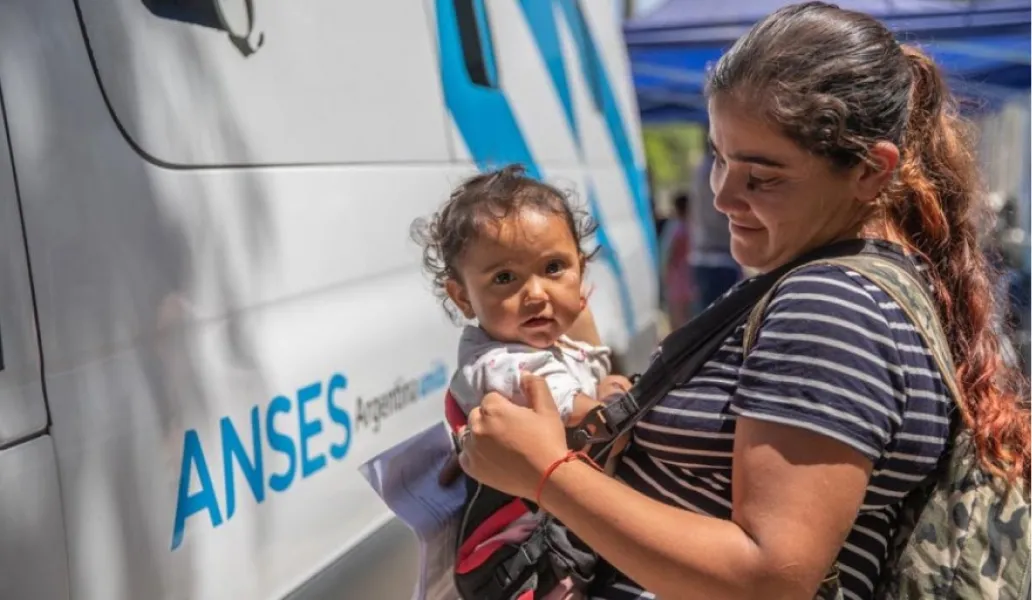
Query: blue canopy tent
{"x":983,"y":45}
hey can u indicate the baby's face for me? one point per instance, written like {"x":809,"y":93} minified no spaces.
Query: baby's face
{"x":521,"y":279}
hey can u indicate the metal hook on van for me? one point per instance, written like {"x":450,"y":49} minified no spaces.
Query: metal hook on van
{"x":239,"y":19}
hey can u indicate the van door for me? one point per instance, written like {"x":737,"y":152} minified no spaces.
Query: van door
{"x":232,"y":321}
{"x":33,"y":563}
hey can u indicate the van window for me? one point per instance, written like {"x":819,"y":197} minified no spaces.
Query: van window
{"x":477,"y":48}
{"x":589,"y":57}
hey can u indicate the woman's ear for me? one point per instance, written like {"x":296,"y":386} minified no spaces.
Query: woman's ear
{"x":876,"y":173}
{"x":457,"y":293}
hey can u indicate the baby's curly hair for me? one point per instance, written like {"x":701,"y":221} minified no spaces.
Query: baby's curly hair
{"x":485,"y":198}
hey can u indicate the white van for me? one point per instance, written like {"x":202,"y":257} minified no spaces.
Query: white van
{"x":211,"y":312}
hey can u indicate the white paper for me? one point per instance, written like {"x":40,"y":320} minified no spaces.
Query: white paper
{"x":405,"y":476}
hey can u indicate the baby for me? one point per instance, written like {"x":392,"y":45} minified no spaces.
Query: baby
{"x":506,"y":251}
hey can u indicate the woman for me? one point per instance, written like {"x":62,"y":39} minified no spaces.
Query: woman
{"x":756,"y":475}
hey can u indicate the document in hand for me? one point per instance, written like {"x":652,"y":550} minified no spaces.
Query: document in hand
{"x":405,"y":476}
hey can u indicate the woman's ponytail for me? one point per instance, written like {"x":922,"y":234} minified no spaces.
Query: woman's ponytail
{"x":943,"y":213}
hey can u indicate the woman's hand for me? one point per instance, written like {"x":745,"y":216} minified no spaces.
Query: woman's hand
{"x":509,"y":447}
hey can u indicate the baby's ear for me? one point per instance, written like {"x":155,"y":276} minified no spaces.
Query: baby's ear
{"x":457,"y":293}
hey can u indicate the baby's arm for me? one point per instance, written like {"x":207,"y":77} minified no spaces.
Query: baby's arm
{"x":613,"y":384}
{"x":610,"y":385}
{"x":582,"y":405}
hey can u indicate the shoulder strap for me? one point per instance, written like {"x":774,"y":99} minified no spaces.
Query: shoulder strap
{"x":905,"y":288}
{"x":681,"y":355}
{"x":755,"y":319}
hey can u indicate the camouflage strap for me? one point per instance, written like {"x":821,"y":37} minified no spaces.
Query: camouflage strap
{"x":910,"y":295}
{"x":1026,"y":583}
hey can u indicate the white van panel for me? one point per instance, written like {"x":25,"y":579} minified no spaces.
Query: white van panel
{"x":32,"y":549}
{"x":334,"y":82}
{"x":313,"y":505}
{"x":596,"y":144}
{"x":180,"y":307}
{"x":22,"y":408}
{"x":175,"y":299}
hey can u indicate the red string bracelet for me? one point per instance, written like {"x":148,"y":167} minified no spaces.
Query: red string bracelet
{"x":571,"y":455}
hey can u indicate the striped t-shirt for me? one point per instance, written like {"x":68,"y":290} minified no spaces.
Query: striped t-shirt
{"x":836,"y":356}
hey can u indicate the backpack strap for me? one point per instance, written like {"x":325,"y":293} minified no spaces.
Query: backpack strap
{"x":1026,"y":582}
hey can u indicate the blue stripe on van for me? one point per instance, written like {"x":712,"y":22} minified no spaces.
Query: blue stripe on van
{"x":490,"y":131}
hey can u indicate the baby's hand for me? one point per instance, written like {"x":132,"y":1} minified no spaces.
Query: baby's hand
{"x":612,"y":384}
{"x":582,"y":405}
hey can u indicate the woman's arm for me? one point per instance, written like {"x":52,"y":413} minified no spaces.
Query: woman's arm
{"x":791,"y":514}
{"x":796,"y":489}
{"x":796,"y":495}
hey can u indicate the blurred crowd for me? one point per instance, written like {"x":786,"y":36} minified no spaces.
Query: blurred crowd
{"x":695,"y":251}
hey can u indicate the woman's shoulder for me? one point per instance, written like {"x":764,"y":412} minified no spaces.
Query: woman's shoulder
{"x":837,"y":355}
{"x":838,"y":291}
{"x":828,"y":278}
{"x":824,"y":312}
{"x":840,"y":305}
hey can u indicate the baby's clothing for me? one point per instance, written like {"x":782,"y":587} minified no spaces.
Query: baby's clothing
{"x":487,"y":365}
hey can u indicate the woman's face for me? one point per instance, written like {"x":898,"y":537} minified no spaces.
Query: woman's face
{"x":781,"y":200}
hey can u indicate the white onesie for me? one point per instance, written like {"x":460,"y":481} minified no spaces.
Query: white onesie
{"x":487,"y":365}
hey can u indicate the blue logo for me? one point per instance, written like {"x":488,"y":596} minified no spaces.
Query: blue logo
{"x":285,"y":425}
